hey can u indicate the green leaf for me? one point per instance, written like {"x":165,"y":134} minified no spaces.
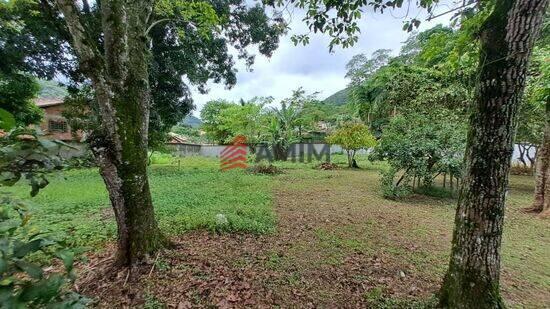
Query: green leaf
{"x":42,"y":291}
{"x":21,"y":249}
{"x":31,"y":269}
{"x":3,"y":265}
{"x":67,"y":256}
{"x":7,"y":121}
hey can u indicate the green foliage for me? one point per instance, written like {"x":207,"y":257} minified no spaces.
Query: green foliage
{"x":391,"y":190}
{"x":248,"y":119}
{"x":17,"y":92}
{"x":25,"y":283}
{"x":24,"y":154}
{"x":352,"y":137}
{"x":338,"y":98}
{"x":420,"y":146}
{"x":360,"y":67}
{"x":7,"y":121}
{"x":212,"y":121}
{"x":283,"y":128}
{"x":189,"y":46}
{"x":340,"y":19}
{"x":537,"y":95}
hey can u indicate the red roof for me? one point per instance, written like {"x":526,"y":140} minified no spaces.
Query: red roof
{"x":45,"y":102}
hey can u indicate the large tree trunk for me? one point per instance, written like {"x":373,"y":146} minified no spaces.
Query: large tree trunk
{"x":542,"y":182}
{"x":120,"y":79}
{"x":507,"y":37}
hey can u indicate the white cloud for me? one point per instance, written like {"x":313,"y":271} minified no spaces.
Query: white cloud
{"x":311,"y":67}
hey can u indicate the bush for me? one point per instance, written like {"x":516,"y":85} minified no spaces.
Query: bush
{"x":26,"y":284}
{"x":520,"y":169}
{"x":266,"y":169}
{"x":420,"y":146}
{"x":327,"y":166}
{"x":23,"y":282}
{"x":391,"y":190}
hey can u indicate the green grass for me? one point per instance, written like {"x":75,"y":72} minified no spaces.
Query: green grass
{"x":75,"y":203}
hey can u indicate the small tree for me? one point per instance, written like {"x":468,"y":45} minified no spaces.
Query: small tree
{"x":283,"y":129}
{"x":420,"y":146}
{"x":352,"y":137}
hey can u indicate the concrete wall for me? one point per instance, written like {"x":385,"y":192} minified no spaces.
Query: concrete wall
{"x":184,"y":150}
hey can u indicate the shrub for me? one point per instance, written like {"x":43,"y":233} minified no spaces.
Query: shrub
{"x":391,"y":190}
{"x":420,"y":146}
{"x":264,"y":168}
{"x":24,"y":282}
{"x":327,"y":166}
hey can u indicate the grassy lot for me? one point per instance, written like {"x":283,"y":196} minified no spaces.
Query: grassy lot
{"x":75,"y":203}
{"x":312,"y":237}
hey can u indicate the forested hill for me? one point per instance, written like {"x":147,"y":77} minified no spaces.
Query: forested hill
{"x":191,"y":121}
{"x":51,"y":89}
{"x":338,"y":98}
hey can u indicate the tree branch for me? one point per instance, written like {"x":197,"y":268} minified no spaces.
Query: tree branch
{"x":85,"y":6}
{"x":90,"y":58}
{"x":447,"y":12}
{"x":156,"y":23}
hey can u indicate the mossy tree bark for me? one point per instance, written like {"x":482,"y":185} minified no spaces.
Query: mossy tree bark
{"x":507,"y":37}
{"x":542,"y":176}
{"x":119,"y":75}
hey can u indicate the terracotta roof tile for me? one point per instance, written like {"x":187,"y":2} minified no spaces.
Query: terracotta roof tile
{"x":44,"y":102}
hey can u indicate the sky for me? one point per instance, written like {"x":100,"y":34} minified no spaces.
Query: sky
{"x":312,"y":67}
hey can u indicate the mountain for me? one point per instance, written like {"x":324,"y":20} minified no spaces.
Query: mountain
{"x":191,"y":121}
{"x":338,"y":98}
{"x":50,"y":89}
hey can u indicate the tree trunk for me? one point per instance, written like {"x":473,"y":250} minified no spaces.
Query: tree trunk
{"x":521,"y":148}
{"x":349,"y":158}
{"x":120,"y":79}
{"x":507,"y":37}
{"x":542,"y":180}
{"x":531,"y":158}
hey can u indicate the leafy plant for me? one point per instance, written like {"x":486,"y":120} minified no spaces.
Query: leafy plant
{"x":23,"y":282}
{"x":24,"y":154}
{"x":352,"y":137}
{"x":420,"y":147}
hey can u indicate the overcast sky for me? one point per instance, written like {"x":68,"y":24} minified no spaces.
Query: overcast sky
{"x":311,"y":67}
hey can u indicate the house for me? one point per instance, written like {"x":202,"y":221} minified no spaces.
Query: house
{"x":54,"y":125}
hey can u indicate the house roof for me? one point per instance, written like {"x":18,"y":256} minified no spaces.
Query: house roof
{"x":45,"y":102}
{"x":177,"y":139}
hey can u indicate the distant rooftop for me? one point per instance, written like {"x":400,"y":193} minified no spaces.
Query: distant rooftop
{"x":45,"y":102}
{"x":177,"y":139}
